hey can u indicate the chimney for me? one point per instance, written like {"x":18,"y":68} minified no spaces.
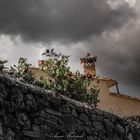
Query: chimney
{"x":89,"y":64}
{"x":41,"y":63}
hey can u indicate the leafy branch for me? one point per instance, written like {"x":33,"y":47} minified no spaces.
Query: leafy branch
{"x":62,"y":80}
{"x":22,"y":71}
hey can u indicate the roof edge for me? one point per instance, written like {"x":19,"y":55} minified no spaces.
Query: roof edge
{"x":125,"y":96}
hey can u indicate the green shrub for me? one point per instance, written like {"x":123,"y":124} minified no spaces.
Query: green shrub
{"x":59,"y":78}
{"x":22,"y":71}
{"x":62,"y":80}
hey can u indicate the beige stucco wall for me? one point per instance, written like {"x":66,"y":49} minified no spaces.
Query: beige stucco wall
{"x":90,"y":71}
{"x":110,"y":103}
{"x":38,"y":73}
{"x":116,"y":104}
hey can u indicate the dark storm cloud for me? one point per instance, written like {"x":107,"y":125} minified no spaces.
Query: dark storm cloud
{"x":73,"y":20}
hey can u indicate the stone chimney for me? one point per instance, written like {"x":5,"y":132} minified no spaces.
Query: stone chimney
{"x":89,"y":64}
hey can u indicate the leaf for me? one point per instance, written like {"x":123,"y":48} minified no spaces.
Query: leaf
{"x":43,"y":54}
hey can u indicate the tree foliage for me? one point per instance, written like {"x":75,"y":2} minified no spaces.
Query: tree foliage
{"x":22,"y":71}
{"x":62,"y":80}
{"x":59,"y":78}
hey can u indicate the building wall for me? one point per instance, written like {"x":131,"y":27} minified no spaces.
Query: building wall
{"x":119,"y":105}
{"x":108,"y":102}
{"x":38,"y":73}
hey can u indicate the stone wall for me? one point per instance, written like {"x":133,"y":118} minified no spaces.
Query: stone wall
{"x":32,"y":113}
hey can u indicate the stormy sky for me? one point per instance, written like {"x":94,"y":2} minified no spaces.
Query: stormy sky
{"x":109,"y":29}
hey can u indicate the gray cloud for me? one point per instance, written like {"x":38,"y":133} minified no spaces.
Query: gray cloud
{"x":47,"y":20}
{"x":118,"y":56}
